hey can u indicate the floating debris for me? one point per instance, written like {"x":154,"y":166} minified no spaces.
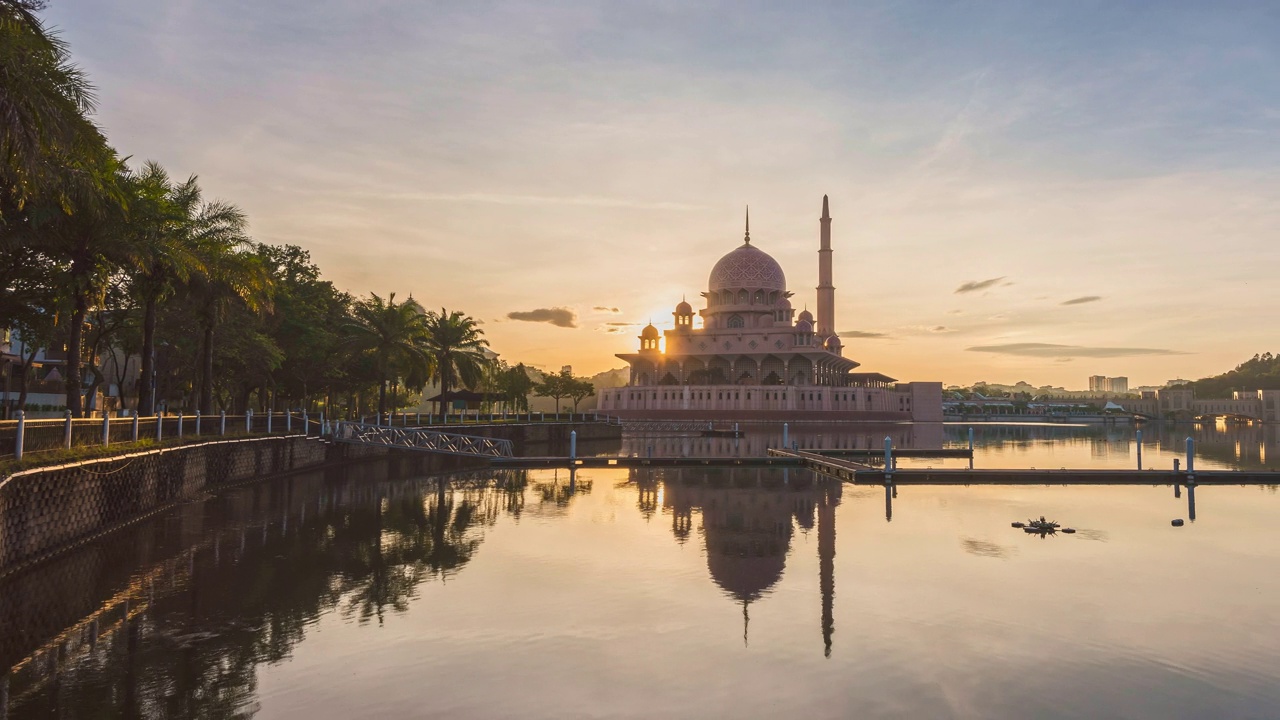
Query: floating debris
{"x":1039,"y":527}
{"x":1177,"y":522}
{"x":1069,"y":531}
{"x":1017,"y":524}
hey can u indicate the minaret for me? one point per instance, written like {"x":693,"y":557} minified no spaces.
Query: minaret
{"x":826,"y":320}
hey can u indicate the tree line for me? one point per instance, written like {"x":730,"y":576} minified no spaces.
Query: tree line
{"x":109,"y":260}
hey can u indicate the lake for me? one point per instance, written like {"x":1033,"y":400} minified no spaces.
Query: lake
{"x":358,"y":592}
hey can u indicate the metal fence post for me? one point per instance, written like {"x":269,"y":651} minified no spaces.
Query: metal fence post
{"x":288,"y":421}
{"x":888,"y":456}
{"x":197,"y":423}
{"x":135,"y":426}
{"x":66,"y":432}
{"x":106,"y":428}
{"x":248,"y":420}
{"x":159,"y":427}
{"x":179,"y":424}
{"x":22,"y":431}
{"x":306,"y":426}
{"x":1138,"y":441}
{"x":222,"y":422}
{"x":573,"y":445}
{"x":269,"y":414}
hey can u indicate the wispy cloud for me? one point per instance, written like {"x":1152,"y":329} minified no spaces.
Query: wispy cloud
{"x":1051,"y":350}
{"x":1082,"y":300}
{"x":558,"y":316}
{"x":528,"y":200}
{"x":616,"y":328}
{"x":862,"y":334}
{"x":603,"y":309}
{"x":976,"y":285}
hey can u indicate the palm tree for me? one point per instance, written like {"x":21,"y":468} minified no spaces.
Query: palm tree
{"x":395,"y":334}
{"x":44,"y":102}
{"x":456,"y":346}
{"x":229,"y":276}
{"x":172,"y":234}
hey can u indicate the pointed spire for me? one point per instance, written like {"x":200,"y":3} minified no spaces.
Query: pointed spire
{"x":746,"y":621}
{"x":747,"y":238}
{"x":826,"y":214}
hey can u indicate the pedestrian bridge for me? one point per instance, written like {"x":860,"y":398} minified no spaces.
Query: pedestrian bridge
{"x":421,"y":439}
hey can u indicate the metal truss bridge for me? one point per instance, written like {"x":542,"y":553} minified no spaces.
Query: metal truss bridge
{"x":410,"y":438}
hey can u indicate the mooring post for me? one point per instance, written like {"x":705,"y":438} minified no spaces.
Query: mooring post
{"x":1191,"y":502}
{"x":135,"y":426}
{"x":66,"y":431}
{"x":786,"y":441}
{"x":888,"y":457}
{"x":1138,"y":440}
{"x":1191,"y":455}
{"x":159,"y":427}
{"x":106,"y":428}
{"x":573,"y":444}
{"x":222,"y":422}
{"x":22,"y":431}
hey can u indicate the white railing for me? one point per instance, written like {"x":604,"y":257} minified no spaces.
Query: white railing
{"x":421,"y":439}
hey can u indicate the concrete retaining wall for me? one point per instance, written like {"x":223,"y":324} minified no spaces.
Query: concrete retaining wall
{"x":45,"y":509}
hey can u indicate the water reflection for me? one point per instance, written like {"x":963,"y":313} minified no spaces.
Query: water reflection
{"x":747,"y":518}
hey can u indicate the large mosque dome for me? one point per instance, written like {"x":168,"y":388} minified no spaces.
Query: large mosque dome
{"x":747,"y":267}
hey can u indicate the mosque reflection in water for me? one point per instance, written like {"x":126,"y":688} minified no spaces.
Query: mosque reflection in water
{"x":757,"y":438}
{"x":171,"y":617}
{"x":747,"y":518}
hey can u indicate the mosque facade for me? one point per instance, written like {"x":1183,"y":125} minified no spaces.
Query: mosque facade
{"x":754,"y":358}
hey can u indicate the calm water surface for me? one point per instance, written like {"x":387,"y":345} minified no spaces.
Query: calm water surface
{"x":678,"y":593}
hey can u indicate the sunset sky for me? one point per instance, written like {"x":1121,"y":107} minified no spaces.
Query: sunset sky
{"x":1021,"y":191}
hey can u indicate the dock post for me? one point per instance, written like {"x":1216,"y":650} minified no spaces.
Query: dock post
{"x":1138,"y":440}
{"x":1191,"y":502}
{"x":970,"y":442}
{"x":785,"y":443}
{"x":573,"y":444}
{"x":888,"y":457}
{"x":1191,"y":455}
{"x":66,"y":432}
{"x":106,"y":428}
{"x":22,"y":431}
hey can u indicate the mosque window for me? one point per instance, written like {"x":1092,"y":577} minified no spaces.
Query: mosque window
{"x":736,"y":321}
{"x":759,"y":298}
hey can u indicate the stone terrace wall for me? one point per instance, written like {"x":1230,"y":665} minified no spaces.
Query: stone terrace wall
{"x":43,"y":510}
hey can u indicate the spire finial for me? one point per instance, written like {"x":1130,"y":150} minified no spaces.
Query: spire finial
{"x":747,"y":238}
{"x":826,"y":214}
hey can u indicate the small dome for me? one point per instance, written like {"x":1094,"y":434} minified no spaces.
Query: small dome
{"x":832,"y":343}
{"x":784,"y":304}
{"x":747,"y":267}
{"x":804,"y":326}
{"x":650,"y":332}
{"x":806,"y":316}
{"x":684,"y":308}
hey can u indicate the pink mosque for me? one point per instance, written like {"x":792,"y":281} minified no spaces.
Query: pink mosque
{"x":754,"y":359}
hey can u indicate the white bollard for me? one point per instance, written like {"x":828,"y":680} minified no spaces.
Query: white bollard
{"x":248,"y":420}
{"x":22,"y":434}
{"x":269,"y":414}
{"x":573,"y":445}
{"x":159,"y":427}
{"x":306,"y":425}
{"x":785,"y":440}
{"x":288,"y":420}
{"x":197,"y":423}
{"x":888,"y":456}
{"x":106,"y":428}
{"x":222,"y":422}
{"x":179,"y":424}
{"x":66,"y":431}
{"x":135,"y":426}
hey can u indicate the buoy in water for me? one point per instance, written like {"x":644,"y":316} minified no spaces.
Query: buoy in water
{"x":1177,"y":522}
{"x":1069,"y":531}
{"x":1017,"y":525}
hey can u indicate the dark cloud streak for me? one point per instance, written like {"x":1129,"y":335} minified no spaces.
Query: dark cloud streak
{"x":558,"y":316}
{"x":1082,"y":300}
{"x":1051,"y":350}
{"x":976,"y":285}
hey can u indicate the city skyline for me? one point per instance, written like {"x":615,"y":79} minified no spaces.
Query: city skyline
{"x":1029,"y":193}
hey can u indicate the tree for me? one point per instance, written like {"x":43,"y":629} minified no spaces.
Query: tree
{"x":229,"y":277}
{"x":578,"y":389}
{"x":553,"y":386}
{"x":395,"y":334}
{"x":514,"y":385}
{"x":456,"y":345}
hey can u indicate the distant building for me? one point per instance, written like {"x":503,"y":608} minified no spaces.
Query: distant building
{"x":753,"y":359}
{"x":1104,"y":384}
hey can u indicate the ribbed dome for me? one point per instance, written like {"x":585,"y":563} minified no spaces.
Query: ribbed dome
{"x":806,"y":316}
{"x":747,"y":267}
{"x":684,"y":308}
{"x":832,"y":343}
{"x":804,"y":326}
{"x":649,"y":332}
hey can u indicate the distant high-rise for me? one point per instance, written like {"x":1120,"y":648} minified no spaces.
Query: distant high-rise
{"x":1104,"y":384}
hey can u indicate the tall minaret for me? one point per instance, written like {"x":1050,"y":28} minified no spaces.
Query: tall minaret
{"x":826,"y":291}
